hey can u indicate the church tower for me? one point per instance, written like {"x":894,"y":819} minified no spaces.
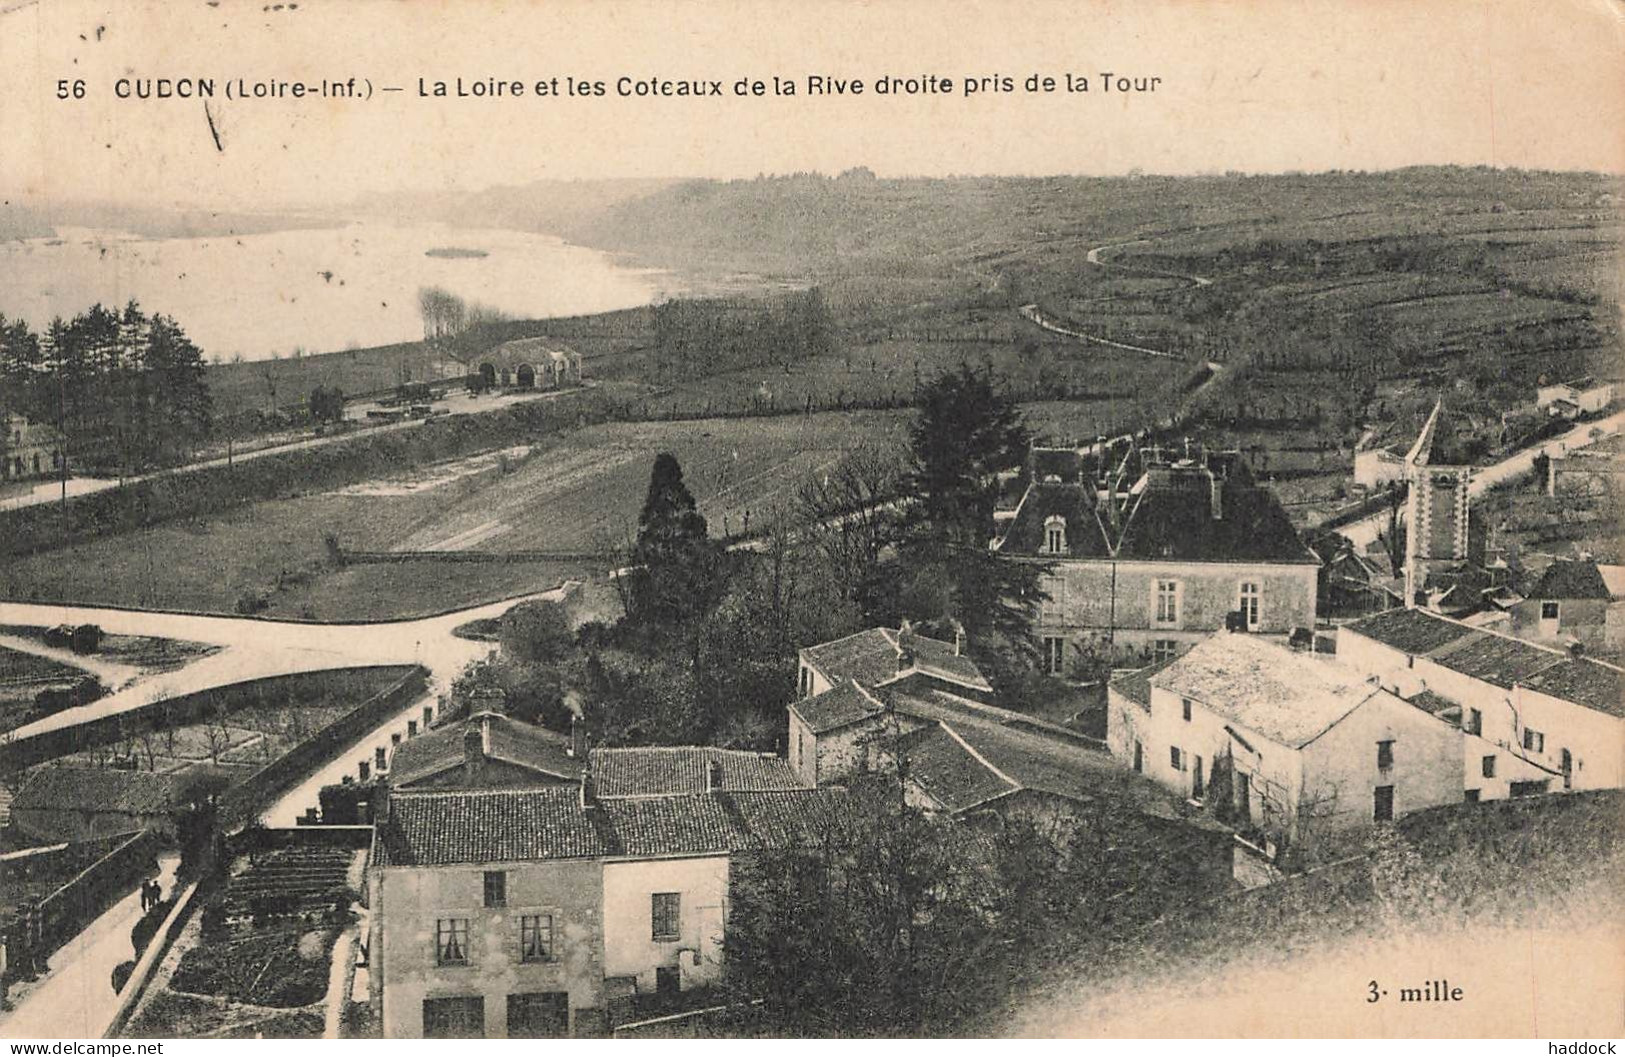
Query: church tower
{"x":1436,"y":508}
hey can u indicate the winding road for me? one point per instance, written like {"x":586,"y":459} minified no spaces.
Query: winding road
{"x":1364,"y":531}
{"x":252,"y":648}
{"x":1036,"y":315}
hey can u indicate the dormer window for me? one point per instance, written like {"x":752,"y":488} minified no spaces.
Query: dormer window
{"x":1055,"y":535}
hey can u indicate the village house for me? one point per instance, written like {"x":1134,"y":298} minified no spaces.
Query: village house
{"x":28,"y":449}
{"x":1574,"y":602}
{"x":487,"y":751}
{"x":77,"y":803}
{"x":837,"y":718}
{"x":1301,"y":746}
{"x":544,"y":911}
{"x":1582,"y":396}
{"x":1535,"y":718}
{"x":1151,"y":552}
{"x":969,"y":760}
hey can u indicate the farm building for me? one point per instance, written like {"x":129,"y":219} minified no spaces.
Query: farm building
{"x":525,"y":363}
{"x":78,"y":803}
{"x":1582,"y":396}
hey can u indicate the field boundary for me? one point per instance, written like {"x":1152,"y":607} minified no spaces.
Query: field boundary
{"x":513,"y":557}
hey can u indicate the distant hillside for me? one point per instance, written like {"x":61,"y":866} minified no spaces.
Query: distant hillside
{"x":17,"y":221}
{"x":547,"y":206}
{"x":42,"y":219}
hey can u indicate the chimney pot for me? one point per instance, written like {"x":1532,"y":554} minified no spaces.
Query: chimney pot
{"x":713,"y":776}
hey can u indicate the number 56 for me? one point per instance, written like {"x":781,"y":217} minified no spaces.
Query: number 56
{"x":66,"y":89}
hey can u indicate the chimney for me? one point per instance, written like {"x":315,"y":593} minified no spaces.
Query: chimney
{"x":474,"y":748}
{"x":905,"y":646}
{"x":578,"y":738}
{"x":589,"y":792}
{"x":1216,"y":494}
{"x":959,"y":638}
{"x":713,"y":776}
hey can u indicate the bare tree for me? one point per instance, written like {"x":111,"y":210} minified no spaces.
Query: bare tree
{"x":847,"y":511}
{"x":217,"y":735}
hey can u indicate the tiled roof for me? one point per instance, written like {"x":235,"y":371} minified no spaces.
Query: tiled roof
{"x":1136,"y":685}
{"x":1432,"y":703}
{"x":1024,"y":534}
{"x":97,"y":789}
{"x":1280,"y":693}
{"x":1412,"y":631}
{"x":937,"y":658}
{"x":522,"y":744}
{"x":496,"y":825}
{"x":836,"y":707}
{"x":724,"y":822}
{"x":1496,"y":659}
{"x":482,"y":826}
{"x":967,"y":761}
{"x":1571,"y":579}
{"x":1596,"y":686}
{"x":672,"y":771}
{"x":874,"y":658}
{"x":520,"y":348}
{"x":867,"y":657}
{"x":946,"y":770}
{"x":1174,"y":520}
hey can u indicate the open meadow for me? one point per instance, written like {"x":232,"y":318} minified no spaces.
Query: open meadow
{"x":571,"y":497}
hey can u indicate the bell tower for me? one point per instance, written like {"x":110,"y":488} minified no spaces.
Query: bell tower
{"x":1436,"y":507}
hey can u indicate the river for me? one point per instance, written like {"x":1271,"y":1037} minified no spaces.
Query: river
{"x":319,"y":289}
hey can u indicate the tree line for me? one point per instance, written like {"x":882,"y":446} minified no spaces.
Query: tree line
{"x":126,"y":389}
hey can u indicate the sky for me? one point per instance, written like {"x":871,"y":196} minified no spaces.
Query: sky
{"x":1249,"y":85}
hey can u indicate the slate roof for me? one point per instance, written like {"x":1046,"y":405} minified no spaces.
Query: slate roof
{"x":1169,"y":518}
{"x":1085,"y":537}
{"x":522,"y":744}
{"x":1280,"y":693}
{"x":1496,"y":659}
{"x":1175,"y":522}
{"x":1571,"y":579}
{"x":1600,"y":687}
{"x":672,"y":771}
{"x":837,"y":707}
{"x":518,"y":825}
{"x":872,"y":657}
{"x":1068,"y":464}
{"x":1412,"y":631}
{"x":102,"y":789}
